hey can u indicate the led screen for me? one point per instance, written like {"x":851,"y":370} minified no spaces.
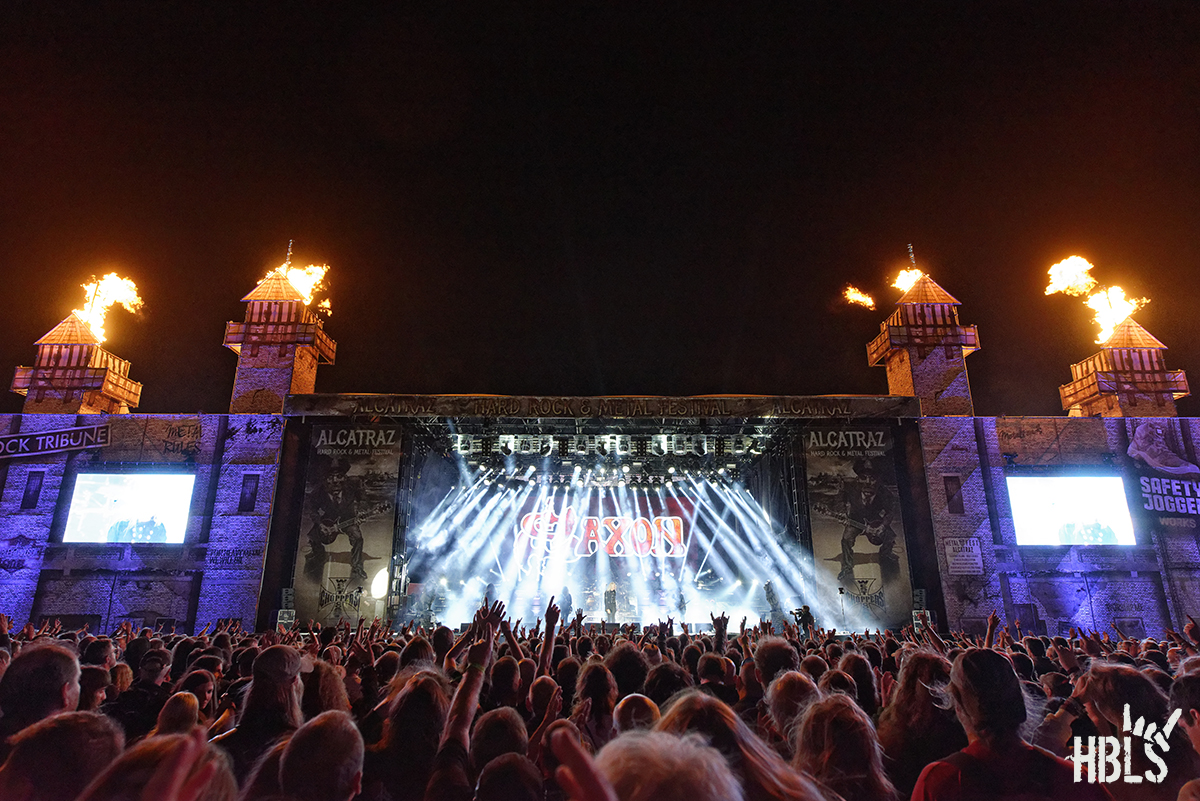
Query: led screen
{"x":1070,"y":510}
{"x":129,"y":507}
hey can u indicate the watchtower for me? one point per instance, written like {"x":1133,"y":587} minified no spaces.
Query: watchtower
{"x":1127,"y":378}
{"x":925,"y":347}
{"x":279,"y":346}
{"x":72,"y":374}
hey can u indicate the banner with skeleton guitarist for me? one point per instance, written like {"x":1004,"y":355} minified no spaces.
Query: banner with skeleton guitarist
{"x":347,"y":524}
{"x":857,"y":528}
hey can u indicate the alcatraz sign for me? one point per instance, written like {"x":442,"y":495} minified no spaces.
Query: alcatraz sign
{"x":63,"y":439}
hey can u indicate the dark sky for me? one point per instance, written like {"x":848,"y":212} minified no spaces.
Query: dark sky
{"x":635,"y":198}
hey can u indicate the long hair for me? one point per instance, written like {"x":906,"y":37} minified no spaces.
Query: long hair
{"x":192,"y":683}
{"x":864,"y":680}
{"x":987,"y":693}
{"x":125,"y":779}
{"x":271,"y":706}
{"x":324,"y":691}
{"x":1109,"y":688}
{"x":179,"y":714}
{"x":764,"y":774}
{"x":913,"y":706}
{"x":596,"y":682}
{"x":836,"y":744}
{"x":416,"y":716}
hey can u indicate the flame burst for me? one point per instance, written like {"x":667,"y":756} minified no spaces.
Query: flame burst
{"x":102,"y":295}
{"x":1111,"y":307}
{"x":307,"y":280}
{"x":1072,"y":276}
{"x":855,"y":295}
{"x":905,"y":280}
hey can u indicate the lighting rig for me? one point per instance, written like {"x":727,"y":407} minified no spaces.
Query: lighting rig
{"x":608,"y":460}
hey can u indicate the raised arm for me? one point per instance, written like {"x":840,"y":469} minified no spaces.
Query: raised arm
{"x":552,"y":615}
{"x":466,"y":697}
{"x":513,"y":644}
{"x":720,"y":625}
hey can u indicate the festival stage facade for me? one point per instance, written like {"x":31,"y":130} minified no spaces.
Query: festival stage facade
{"x":865,"y":508}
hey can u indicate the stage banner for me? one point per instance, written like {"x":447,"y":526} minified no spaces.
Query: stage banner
{"x":857,"y":528}
{"x":347,"y":524}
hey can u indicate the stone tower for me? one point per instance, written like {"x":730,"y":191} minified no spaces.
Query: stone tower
{"x":1127,"y":378}
{"x":279,"y":347}
{"x":74,"y":375}
{"x":925,"y":347}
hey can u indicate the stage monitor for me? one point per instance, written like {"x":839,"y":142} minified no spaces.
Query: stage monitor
{"x":1070,"y":510}
{"x":130,"y":507}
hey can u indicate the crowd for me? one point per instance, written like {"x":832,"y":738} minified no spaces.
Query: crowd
{"x":566,"y":710}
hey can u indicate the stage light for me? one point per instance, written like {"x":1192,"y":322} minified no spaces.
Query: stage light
{"x":720,"y":471}
{"x":442,"y":581}
{"x":625,"y":468}
{"x":671,"y":469}
{"x":379,"y":584}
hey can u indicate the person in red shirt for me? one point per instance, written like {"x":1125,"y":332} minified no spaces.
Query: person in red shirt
{"x":997,"y":763}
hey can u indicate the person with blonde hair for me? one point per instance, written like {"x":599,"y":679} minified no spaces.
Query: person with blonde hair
{"x":656,"y":766}
{"x":763,"y":773}
{"x":127,"y":778}
{"x":179,"y":714}
{"x":836,"y":744}
{"x":788,"y":697}
{"x":913,"y":729}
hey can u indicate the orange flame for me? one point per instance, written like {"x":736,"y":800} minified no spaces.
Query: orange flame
{"x":1111,"y":307}
{"x":855,"y":295}
{"x":905,"y":280}
{"x":1071,"y":276}
{"x":109,"y":291}
{"x":308,"y":281}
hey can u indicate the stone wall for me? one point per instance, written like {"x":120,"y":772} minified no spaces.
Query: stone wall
{"x":215,"y":573}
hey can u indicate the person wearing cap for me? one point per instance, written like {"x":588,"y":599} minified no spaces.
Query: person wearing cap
{"x":271,"y":710}
{"x":137,"y":708}
{"x":997,"y":762}
{"x":869,"y":511}
{"x":336,"y":509}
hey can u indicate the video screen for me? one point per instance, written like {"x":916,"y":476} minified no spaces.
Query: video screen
{"x":1070,"y":510}
{"x":130,"y":507}
{"x":683,"y":547}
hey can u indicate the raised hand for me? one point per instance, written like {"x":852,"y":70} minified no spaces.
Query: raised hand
{"x":720,"y":623}
{"x":553,"y":613}
{"x":495,"y":614}
{"x":577,"y":773}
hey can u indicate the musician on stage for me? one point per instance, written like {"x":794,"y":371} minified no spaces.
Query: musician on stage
{"x":566,"y":602}
{"x":336,"y":508}
{"x":870,"y":506}
{"x":610,"y":602}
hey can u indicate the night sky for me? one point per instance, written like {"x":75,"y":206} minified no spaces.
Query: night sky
{"x":625,"y":199}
